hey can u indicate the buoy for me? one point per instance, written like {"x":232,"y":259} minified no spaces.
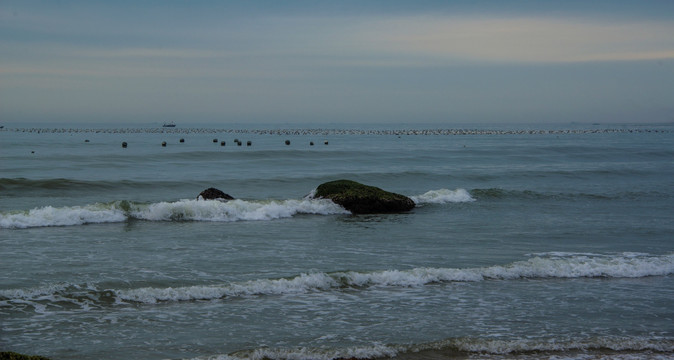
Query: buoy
{"x":182,"y":140}
{"x":87,"y":140}
{"x":326,"y":142}
{"x":124,"y":144}
{"x":249,"y":143}
{"x":222,"y":143}
{"x":311,"y":143}
{"x":287,"y":142}
{"x":215,"y":140}
{"x":163,"y":143}
{"x":238,"y":142}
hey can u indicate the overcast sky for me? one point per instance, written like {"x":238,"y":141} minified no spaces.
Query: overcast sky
{"x":408,"y":62}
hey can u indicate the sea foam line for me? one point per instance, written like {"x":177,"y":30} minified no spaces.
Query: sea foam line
{"x":541,"y":266}
{"x":567,"y":266}
{"x":631,"y":348}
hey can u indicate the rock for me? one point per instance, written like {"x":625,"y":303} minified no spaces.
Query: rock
{"x":214,"y":194}
{"x":8,"y":355}
{"x":363,"y":199}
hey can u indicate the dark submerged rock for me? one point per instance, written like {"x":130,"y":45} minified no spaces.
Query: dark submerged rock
{"x":363,"y":199}
{"x":214,"y":194}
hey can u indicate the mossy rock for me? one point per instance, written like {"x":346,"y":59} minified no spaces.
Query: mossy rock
{"x":363,"y":199}
{"x":8,"y":355}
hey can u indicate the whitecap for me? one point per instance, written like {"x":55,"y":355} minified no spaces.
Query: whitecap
{"x":443,"y":196}
{"x":61,"y":216}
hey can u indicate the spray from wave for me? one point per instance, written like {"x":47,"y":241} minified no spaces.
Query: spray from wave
{"x":195,"y":210}
{"x":181,"y":210}
{"x":443,"y":196}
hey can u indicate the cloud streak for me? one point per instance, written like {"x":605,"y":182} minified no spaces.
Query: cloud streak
{"x":517,"y":39}
{"x":430,"y":65}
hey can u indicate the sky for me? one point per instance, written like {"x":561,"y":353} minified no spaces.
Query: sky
{"x":317,"y":62}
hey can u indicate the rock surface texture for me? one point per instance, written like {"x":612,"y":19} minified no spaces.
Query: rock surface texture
{"x":363,"y":199}
{"x":214,"y":194}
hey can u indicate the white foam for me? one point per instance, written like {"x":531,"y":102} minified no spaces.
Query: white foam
{"x":498,"y":346}
{"x":635,"y":347}
{"x":300,"y":284}
{"x":61,"y":216}
{"x":235,"y":210}
{"x":558,"y":266}
{"x":181,"y":210}
{"x":443,"y":196}
{"x":572,"y":266}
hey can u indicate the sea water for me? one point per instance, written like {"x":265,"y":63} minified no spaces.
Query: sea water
{"x":525,"y":242}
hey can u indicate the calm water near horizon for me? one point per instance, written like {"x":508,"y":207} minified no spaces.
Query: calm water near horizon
{"x":526,"y":242}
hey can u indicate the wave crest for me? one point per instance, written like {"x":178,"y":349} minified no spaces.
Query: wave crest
{"x":443,"y":196}
{"x":181,"y":210}
{"x":540,"y":266}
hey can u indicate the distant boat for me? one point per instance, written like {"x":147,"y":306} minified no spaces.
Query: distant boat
{"x":169,"y":124}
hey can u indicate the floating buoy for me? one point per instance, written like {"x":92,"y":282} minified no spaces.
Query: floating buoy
{"x":163,"y":143}
{"x":238,"y":142}
{"x":326,"y":142}
{"x":249,"y":143}
{"x":287,"y":142}
{"x":182,"y":140}
{"x":222,"y":143}
{"x":311,"y":143}
{"x":215,"y":140}
{"x":124,"y":144}
{"x":32,"y":152}
{"x":87,"y":140}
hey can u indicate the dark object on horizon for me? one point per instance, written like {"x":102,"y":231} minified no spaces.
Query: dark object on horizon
{"x":86,"y":140}
{"x":182,"y":140}
{"x":249,"y":143}
{"x":222,"y":143}
{"x":215,"y":140}
{"x":124,"y":144}
{"x":326,"y":142}
{"x":214,"y":194}
{"x":169,"y":124}
{"x":287,"y":142}
{"x":363,"y":199}
{"x":238,"y":142}
{"x":163,"y":143}
{"x":311,"y":143}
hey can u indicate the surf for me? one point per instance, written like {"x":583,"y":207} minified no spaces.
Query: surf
{"x":195,"y":210}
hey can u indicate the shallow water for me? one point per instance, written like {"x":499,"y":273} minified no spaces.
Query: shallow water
{"x":526,"y":244}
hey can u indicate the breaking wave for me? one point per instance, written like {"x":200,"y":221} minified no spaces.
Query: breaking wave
{"x":443,"y":196}
{"x":538,"y":266}
{"x":194,"y":210}
{"x":181,"y":210}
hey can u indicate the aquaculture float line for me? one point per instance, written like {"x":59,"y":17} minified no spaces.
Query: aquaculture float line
{"x":299,"y":132}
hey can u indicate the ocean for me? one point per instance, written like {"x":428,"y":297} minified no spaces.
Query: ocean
{"x":526,"y":242}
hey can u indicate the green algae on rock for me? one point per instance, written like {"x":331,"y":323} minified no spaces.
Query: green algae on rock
{"x":363,"y":199}
{"x":8,"y":355}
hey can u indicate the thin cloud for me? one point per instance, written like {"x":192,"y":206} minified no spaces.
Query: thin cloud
{"x":529,"y":40}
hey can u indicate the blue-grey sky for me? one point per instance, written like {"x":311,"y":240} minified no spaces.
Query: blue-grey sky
{"x":337,"y":61}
